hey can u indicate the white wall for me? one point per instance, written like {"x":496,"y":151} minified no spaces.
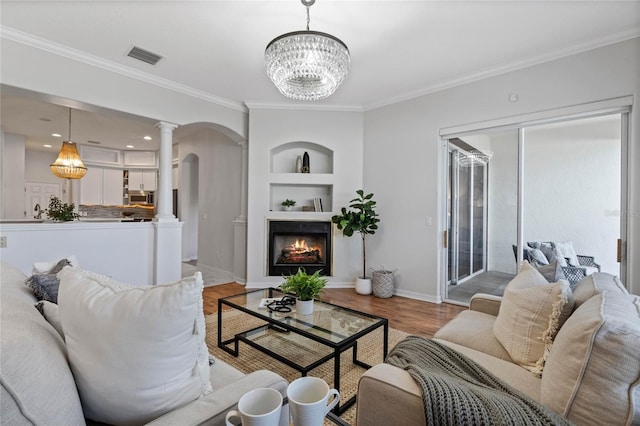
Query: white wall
{"x":341,"y":132}
{"x":37,"y":167}
{"x":403,"y":140}
{"x":13,"y":172}
{"x":219,"y":166}
{"x":123,"y":251}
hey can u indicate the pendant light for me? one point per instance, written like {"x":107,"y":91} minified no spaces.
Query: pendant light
{"x":307,"y":65}
{"x":68,"y":165}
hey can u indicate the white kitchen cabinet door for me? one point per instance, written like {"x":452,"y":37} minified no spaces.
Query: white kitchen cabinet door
{"x":142,"y":180}
{"x":91,"y":186}
{"x":101,"y":186}
{"x":112,"y":187}
{"x":149,"y":180}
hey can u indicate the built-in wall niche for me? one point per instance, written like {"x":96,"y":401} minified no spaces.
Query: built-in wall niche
{"x":284,"y":157}
{"x":313,"y":191}
{"x":303,"y":195}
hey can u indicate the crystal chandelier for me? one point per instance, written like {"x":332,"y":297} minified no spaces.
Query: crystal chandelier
{"x":68,"y":165}
{"x":307,"y":65}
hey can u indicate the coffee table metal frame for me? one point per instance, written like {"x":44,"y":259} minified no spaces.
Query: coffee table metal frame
{"x":287,"y":324}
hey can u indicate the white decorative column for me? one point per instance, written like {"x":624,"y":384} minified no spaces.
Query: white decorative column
{"x":168,"y":231}
{"x":240,"y":225}
{"x":164,"y":208}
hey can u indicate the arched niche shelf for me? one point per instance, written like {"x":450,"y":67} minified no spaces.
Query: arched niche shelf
{"x":283,"y":157}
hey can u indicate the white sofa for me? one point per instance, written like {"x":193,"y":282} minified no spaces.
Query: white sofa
{"x":38,"y":387}
{"x":591,"y":375}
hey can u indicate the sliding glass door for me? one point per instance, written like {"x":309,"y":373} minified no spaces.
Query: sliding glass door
{"x":467,"y":213}
{"x":558,"y":182}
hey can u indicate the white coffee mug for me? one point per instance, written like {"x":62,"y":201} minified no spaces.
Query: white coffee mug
{"x":259,"y":407}
{"x":308,"y":397}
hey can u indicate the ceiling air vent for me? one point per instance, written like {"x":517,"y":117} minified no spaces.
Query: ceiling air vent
{"x":95,"y":142}
{"x":144,"y":55}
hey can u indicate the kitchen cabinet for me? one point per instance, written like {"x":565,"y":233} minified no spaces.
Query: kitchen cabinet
{"x":143,"y":180}
{"x":140,"y":159}
{"x":101,"y":186}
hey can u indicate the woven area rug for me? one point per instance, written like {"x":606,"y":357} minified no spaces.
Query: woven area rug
{"x":250,"y":359}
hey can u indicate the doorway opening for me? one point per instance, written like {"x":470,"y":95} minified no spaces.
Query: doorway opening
{"x":188,"y":206}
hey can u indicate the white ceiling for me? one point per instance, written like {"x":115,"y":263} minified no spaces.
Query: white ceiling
{"x":399,"y":49}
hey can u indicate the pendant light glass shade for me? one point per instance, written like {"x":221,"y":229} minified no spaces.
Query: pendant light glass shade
{"x":68,"y":165}
{"x":307,"y":65}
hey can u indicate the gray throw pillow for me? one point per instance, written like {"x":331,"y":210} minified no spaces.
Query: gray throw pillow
{"x":45,"y":286}
{"x":538,"y":256}
{"x":551,"y":272}
{"x":551,"y":254}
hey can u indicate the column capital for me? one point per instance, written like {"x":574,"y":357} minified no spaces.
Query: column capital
{"x":166,"y":125}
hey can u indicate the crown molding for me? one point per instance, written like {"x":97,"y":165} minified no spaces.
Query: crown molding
{"x":303,"y":107}
{"x":513,"y":66}
{"x":21,"y":37}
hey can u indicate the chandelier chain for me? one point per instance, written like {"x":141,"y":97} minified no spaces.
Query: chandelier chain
{"x":69,"y":124}
{"x":308,"y":4}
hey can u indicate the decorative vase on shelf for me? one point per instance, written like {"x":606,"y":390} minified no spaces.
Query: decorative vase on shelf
{"x":306,"y":168}
{"x":299,"y":164}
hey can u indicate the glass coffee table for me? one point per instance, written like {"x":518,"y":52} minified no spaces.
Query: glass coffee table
{"x":302,"y":342}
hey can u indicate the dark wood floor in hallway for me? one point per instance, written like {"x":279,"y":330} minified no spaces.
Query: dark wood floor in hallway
{"x":408,"y":315}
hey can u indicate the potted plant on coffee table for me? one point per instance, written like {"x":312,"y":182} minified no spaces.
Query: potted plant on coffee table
{"x":363,"y":219}
{"x":306,"y":288}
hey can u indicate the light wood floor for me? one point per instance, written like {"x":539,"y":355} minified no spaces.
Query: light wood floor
{"x":408,"y":315}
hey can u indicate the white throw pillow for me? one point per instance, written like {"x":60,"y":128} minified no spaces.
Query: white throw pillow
{"x":565,"y":250}
{"x":136,"y":352}
{"x":531,"y":313}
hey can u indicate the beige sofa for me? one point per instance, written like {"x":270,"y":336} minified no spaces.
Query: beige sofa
{"x":591,"y":375}
{"x":38,"y":387}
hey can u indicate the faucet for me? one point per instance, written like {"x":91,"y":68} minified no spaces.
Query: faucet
{"x":38,"y":210}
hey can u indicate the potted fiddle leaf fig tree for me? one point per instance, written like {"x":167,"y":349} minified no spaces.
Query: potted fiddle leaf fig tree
{"x":306,"y":288}
{"x":361,"y":218}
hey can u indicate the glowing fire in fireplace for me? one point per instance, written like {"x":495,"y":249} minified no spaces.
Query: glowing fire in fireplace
{"x":300,"y":246}
{"x":300,"y":252}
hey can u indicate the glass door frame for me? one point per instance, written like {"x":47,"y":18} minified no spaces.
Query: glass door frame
{"x":620,"y":106}
{"x":453,"y":216}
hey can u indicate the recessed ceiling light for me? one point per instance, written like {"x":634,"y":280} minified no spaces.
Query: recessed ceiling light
{"x":56,"y":135}
{"x":129,"y":146}
{"x":47,"y":145}
{"x":147,"y":138}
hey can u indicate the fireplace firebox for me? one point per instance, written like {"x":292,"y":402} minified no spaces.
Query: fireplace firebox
{"x":299,"y":244}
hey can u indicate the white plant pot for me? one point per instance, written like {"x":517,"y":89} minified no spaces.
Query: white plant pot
{"x":363,"y":285}
{"x":304,"y":307}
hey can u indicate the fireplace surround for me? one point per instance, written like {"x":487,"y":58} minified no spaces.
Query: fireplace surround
{"x":298,"y":243}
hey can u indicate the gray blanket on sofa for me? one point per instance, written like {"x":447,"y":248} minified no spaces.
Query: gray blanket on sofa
{"x":458,"y":391}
